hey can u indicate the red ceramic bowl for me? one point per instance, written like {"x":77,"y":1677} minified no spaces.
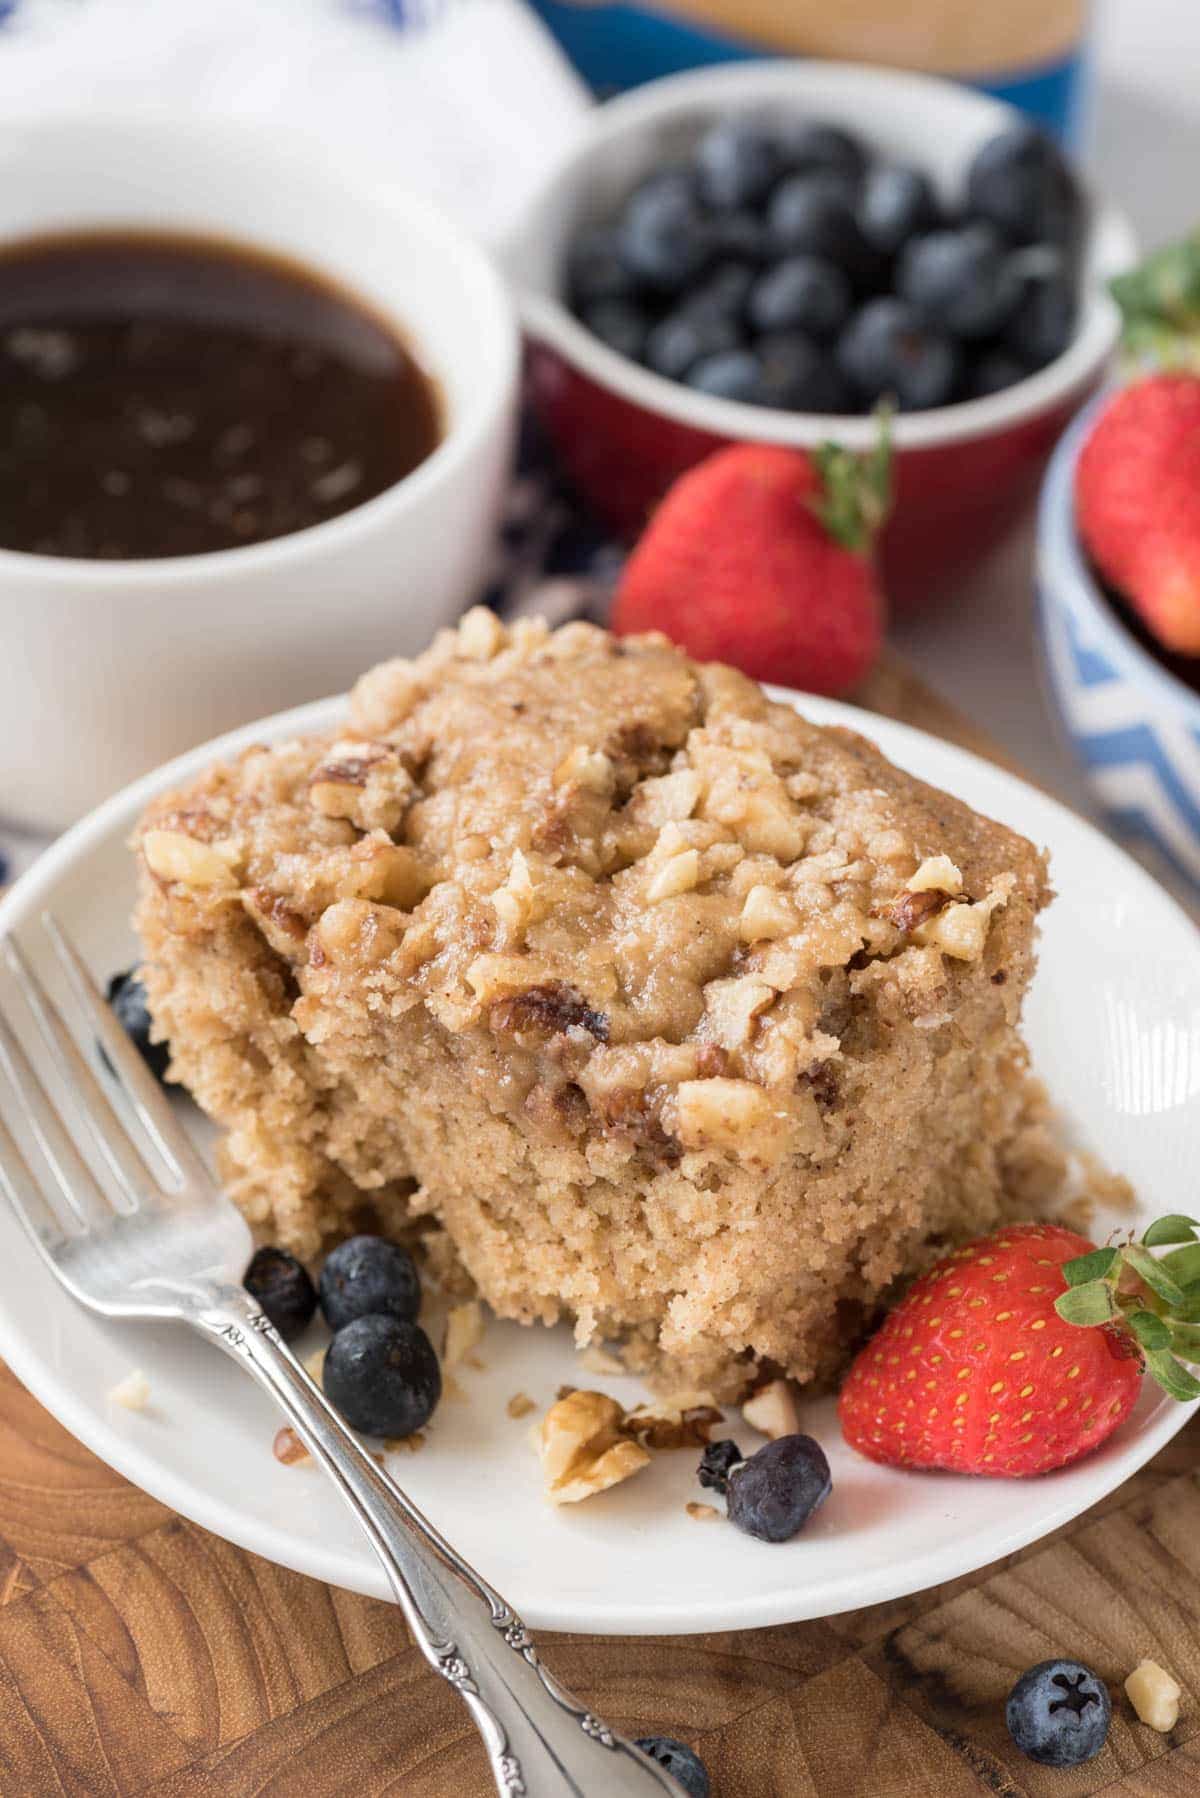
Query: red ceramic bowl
{"x":963,"y":472}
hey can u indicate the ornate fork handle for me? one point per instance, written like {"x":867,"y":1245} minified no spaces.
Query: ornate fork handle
{"x":541,"y":1743}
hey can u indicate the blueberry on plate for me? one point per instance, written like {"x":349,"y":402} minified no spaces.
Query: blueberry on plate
{"x":992,"y":371}
{"x":618,"y":323}
{"x":715,"y":1463}
{"x":810,"y":146}
{"x":282,"y":1287}
{"x":774,"y":1493}
{"x":896,"y":202}
{"x":663,"y":236}
{"x":815,"y":214}
{"x":731,"y":375}
{"x":798,"y":375}
{"x":736,"y":164}
{"x":681,"y":339}
{"x":964,"y":281}
{"x":685,"y":1767}
{"x":595,"y":269}
{"x":369,"y":1276}
{"x":887,"y":348}
{"x":1058,"y":1713}
{"x":801,"y":293}
{"x":382,"y":1375}
{"x":1043,"y":323}
{"x":1019,"y":181}
{"x":127,"y":996}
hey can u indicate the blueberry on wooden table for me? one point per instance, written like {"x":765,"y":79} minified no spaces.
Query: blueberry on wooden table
{"x":774,"y":1493}
{"x":1058,"y":1713}
{"x":382,"y":1375}
{"x":282,"y":1287}
{"x":680,"y":1761}
{"x":127,"y":996}
{"x":369,"y":1276}
{"x":888,"y":349}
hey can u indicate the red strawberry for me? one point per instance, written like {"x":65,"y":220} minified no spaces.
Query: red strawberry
{"x":1137,"y":503}
{"x":975,"y":1370}
{"x":762,"y":557}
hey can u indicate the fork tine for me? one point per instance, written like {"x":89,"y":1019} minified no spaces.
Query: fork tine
{"x":136,"y":1183}
{"x":147,"y":1098}
{"x":26,"y":1197}
{"x":74,"y":1178}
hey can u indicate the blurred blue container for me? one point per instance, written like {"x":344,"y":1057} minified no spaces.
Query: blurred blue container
{"x":1031,"y":52}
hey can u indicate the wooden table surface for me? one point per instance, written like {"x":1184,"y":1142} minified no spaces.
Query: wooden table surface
{"x":141,"y":1655}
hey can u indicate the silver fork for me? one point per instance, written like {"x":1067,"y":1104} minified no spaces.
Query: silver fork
{"x":175,"y":1247}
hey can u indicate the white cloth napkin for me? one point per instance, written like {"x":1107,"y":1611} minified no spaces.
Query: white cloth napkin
{"x":467,"y":101}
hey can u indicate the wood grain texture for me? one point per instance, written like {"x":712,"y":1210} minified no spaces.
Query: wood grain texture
{"x":141,"y":1657}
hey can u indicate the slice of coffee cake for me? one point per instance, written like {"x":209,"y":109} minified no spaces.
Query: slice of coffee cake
{"x":688,"y":1018}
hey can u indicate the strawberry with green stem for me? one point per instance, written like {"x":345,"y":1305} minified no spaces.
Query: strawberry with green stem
{"x":1153,"y":1302}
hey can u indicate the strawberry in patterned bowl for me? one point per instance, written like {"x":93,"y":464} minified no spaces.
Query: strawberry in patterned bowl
{"x":902,"y":239}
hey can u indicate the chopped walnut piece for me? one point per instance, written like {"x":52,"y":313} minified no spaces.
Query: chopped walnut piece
{"x":766,"y":914}
{"x":669,"y":1427}
{"x":597,"y":1360}
{"x":464,"y":1332}
{"x":724,"y":1113}
{"x":583,"y":1449}
{"x":364,"y":782}
{"x":288,"y":1448}
{"x":393,"y":1444}
{"x":133,"y":1392}
{"x":937,"y":873}
{"x":772,"y":1410}
{"x":520,"y":1405}
{"x":480,"y":635}
{"x":384,"y":696}
{"x":678,"y":874}
{"x":1154,"y":1695}
{"x":701,"y":1513}
{"x":587,"y":768}
{"x":173,"y":856}
{"x":731,"y":1007}
{"x":961,"y":930}
{"x":909,"y":909}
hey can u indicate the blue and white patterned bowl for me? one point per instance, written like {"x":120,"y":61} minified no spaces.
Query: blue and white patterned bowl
{"x":1132,"y":725}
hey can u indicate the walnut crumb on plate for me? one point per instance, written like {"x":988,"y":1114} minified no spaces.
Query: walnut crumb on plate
{"x":133,"y":1392}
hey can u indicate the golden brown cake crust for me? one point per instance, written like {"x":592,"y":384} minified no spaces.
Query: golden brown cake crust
{"x":691,"y":1019}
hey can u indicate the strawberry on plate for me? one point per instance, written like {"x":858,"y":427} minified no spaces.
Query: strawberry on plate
{"x":975,"y":1371}
{"x":1137,"y":503}
{"x":762,"y":557}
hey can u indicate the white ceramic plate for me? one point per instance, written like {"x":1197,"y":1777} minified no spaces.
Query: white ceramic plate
{"x":1114,"y":1021}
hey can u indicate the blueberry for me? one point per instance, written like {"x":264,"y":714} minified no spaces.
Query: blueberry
{"x":732,"y":375}
{"x":774,"y":1493}
{"x":685,"y":1767}
{"x":992,"y":371}
{"x":369,"y":1276}
{"x":1043,"y":323}
{"x":683,"y":338}
{"x":282,"y":1287}
{"x":722,"y":293}
{"x":619,"y":324}
{"x":127,"y":996}
{"x":811,"y":146}
{"x":715,"y":1463}
{"x":801,"y":293}
{"x":1020,"y":182}
{"x":798,"y":375}
{"x":815,"y":214}
{"x":736,"y":164}
{"x":663,"y":236}
{"x":1058,"y":1713}
{"x":964,"y":281}
{"x":595,"y":270}
{"x":382,"y":1375}
{"x":896,"y":203}
{"x":740,"y":234}
{"x":888,"y":349}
